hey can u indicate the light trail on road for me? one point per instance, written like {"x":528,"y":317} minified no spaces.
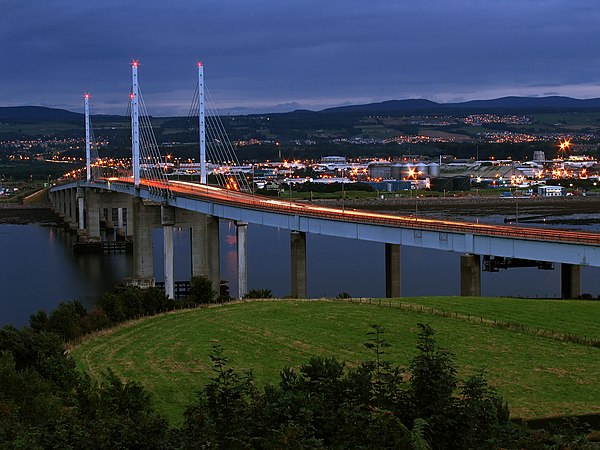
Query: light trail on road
{"x":256,"y":202}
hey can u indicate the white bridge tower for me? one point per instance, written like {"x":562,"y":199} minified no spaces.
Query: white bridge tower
{"x":135,"y":124}
{"x":88,"y":165}
{"x":201,"y":123}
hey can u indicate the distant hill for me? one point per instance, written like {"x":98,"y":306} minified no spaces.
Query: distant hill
{"x":400,"y":107}
{"x":38,"y":114}
{"x":387,"y":106}
{"x":521,"y":104}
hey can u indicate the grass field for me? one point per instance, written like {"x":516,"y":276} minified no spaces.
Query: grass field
{"x":539,"y":376}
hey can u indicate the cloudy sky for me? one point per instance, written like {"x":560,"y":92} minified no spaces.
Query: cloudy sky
{"x":280,"y":55}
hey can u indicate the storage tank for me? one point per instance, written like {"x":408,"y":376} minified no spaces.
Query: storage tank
{"x":397,"y":171}
{"x":434,"y":170}
{"x":423,"y":169}
{"x":407,"y":171}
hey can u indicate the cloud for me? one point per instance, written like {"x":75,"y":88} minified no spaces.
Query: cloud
{"x":269,"y":54}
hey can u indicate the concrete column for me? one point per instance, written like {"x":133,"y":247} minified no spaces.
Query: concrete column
{"x":63,"y":204}
{"x":66,"y":206}
{"x":72,"y":207}
{"x":80,"y":205}
{"x":103,"y":216}
{"x":109,"y":224}
{"x":199,"y":247}
{"x":142,"y":243}
{"x":570,"y":280}
{"x":393,"y":275}
{"x":60,"y":204}
{"x":214,"y":257}
{"x":298,"y":254}
{"x":93,"y":216}
{"x":241,"y":232}
{"x":167,"y":219}
{"x":80,"y":210}
{"x":470,"y":275}
{"x":128,"y":216}
{"x":120,"y":225}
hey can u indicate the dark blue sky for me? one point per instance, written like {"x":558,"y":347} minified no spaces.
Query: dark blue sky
{"x":278,"y":55}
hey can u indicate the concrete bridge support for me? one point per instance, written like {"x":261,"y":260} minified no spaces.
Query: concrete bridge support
{"x":120,"y":225}
{"x":470,"y":275}
{"x":298,"y":254}
{"x":143,"y":271}
{"x":241,"y":232}
{"x":81,"y":211}
{"x":570,"y":280}
{"x":92,"y":211}
{"x":167,"y":219}
{"x":214,"y":257}
{"x":71,"y":213}
{"x":393,"y":276}
{"x":199,"y":247}
{"x":109,"y":224}
{"x":60,"y":204}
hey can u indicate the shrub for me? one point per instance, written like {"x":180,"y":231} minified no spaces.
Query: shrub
{"x":201,"y":290}
{"x":259,"y":293}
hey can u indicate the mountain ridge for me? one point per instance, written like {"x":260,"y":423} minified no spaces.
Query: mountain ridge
{"x":501,"y":103}
{"x":404,"y":106}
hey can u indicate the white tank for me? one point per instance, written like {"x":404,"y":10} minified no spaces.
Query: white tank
{"x":423,"y":169}
{"x":434,"y":169}
{"x":407,"y":170}
{"x":397,"y":171}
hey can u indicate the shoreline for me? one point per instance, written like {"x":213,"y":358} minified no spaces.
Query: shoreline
{"x":19,"y":214}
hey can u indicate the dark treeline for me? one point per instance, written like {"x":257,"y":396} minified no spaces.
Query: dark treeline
{"x":46,"y":403}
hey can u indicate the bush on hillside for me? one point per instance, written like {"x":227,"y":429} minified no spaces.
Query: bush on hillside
{"x":259,"y":293}
{"x":201,"y":290}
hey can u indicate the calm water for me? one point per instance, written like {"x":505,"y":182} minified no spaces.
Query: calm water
{"x":38,"y":269}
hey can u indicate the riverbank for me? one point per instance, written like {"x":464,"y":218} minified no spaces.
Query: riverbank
{"x":17,"y":214}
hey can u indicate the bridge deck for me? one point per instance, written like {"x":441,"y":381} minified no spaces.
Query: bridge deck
{"x":564,"y":246}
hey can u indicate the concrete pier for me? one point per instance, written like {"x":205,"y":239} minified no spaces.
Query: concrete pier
{"x":241,"y":232}
{"x":167,"y":219}
{"x":298,"y":255}
{"x":120,"y":225}
{"x":470,"y":275}
{"x":81,"y":214}
{"x":92,"y":212}
{"x":143,"y":271}
{"x":570,"y":280}
{"x":214,"y":257}
{"x":199,"y":247}
{"x":393,"y":275}
{"x":71,"y":215}
{"x":109,"y":224}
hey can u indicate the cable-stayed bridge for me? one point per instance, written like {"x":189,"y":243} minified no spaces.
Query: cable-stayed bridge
{"x":148,"y":199}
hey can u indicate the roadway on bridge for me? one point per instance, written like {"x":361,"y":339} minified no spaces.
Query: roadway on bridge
{"x":261,"y":203}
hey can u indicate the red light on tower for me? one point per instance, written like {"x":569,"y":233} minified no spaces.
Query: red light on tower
{"x":86,"y":96}
{"x":131,"y":96}
{"x":200,"y":64}
{"x":135,"y":63}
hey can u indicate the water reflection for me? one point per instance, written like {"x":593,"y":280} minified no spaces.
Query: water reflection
{"x":38,"y":269}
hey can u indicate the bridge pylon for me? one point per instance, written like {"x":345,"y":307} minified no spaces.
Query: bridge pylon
{"x":201,"y":123}
{"x":135,"y":123}
{"x":88,"y":156}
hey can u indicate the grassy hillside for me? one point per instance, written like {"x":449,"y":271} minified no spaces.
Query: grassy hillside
{"x":539,"y":376}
